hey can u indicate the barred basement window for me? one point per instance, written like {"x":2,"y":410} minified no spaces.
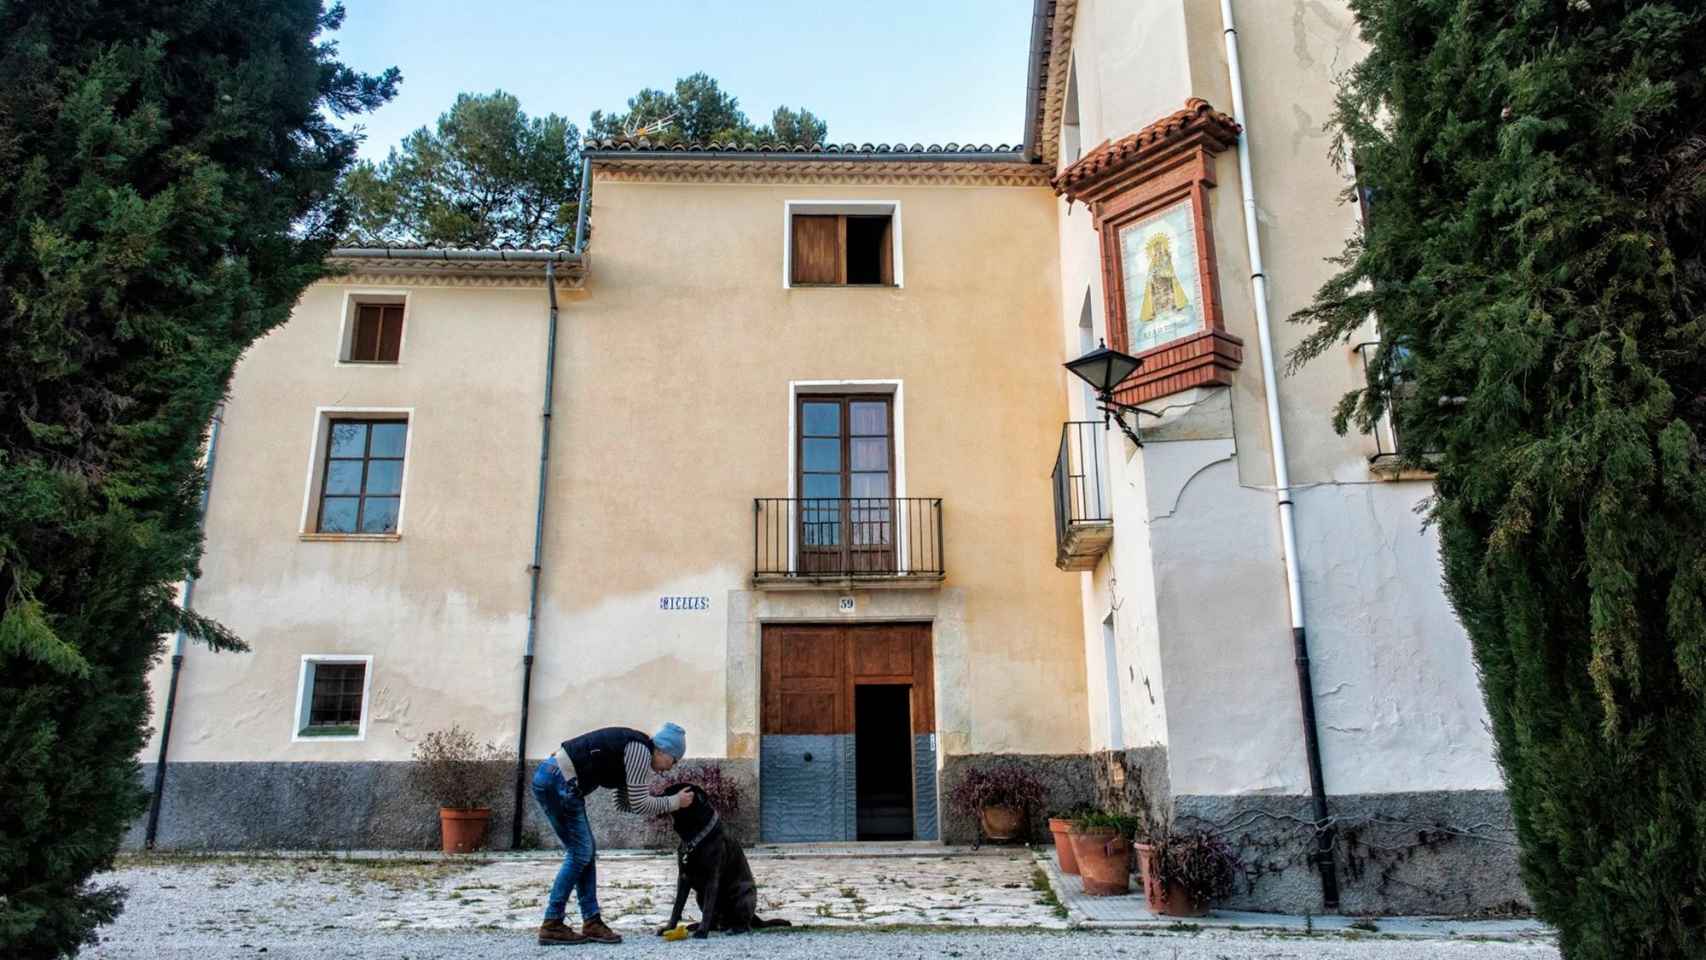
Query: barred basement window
{"x":332,"y":700}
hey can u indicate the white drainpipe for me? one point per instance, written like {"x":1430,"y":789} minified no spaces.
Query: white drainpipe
{"x":1282,"y":473}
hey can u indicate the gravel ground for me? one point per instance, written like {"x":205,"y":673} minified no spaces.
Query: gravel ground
{"x":208,"y":909}
{"x":785,"y":945}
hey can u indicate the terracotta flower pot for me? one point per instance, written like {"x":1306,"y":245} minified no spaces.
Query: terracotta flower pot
{"x":1063,"y":844}
{"x":1002,"y":823}
{"x":1166,"y":900}
{"x":464,"y":831}
{"x":1104,"y":861}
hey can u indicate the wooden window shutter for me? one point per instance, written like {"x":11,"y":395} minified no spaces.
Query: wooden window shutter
{"x":888,"y":252}
{"x":378,"y":333}
{"x":391,"y":333}
{"x":817,"y":249}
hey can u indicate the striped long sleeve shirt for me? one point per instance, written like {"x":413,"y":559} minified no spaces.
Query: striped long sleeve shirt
{"x":636,"y":793}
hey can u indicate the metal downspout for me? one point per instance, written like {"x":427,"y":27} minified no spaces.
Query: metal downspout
{"x":1034,"y":78}
{"x":538,"y":551}
{"x":1324,"y":832}
{"x":533,"y":568}
{"x":178,"y":642}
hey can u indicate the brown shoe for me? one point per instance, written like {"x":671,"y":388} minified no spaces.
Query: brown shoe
{"x":554,"y":932}
{"x":596,"y":931}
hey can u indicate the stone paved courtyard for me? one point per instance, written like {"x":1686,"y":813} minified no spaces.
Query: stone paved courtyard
{"x":882,"y":903}
{"x":992,"y":889}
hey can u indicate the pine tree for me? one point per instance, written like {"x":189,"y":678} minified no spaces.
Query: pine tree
{"x":1533,"y":258}
{"x":699,"y":111}
{"x":486,"y":175}
{"x":167,"y":175}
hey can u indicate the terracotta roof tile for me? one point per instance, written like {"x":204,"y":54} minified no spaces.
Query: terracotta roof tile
{"x":1114,"y":155}
{"x":642,"y":145}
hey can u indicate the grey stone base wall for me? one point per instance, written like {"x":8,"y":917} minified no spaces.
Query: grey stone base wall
{"x":369,"y":806}
{"x":1133,"y":782}
{"x":1443,"y":852}
{"x":1069,"y":779}
{"x":1125,"y":781}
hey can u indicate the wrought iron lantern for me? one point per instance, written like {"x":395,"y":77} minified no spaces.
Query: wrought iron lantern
{"x":1104,"y":369}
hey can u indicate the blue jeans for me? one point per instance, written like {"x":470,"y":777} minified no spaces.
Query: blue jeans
{"x":566,"y":809}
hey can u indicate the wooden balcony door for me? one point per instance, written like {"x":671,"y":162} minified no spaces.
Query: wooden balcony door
{"x":847,"y":513}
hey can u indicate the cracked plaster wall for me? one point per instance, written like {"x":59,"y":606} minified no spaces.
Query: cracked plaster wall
{"x":1195,"y":568}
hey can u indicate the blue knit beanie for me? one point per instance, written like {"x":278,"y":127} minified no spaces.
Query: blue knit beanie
{"x":671,"y":740}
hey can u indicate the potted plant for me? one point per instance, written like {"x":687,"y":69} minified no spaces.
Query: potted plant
{"x":1000,"y":797}
{"x":1184,"y":872}
{"x":1102,"y":846}
{"x":1060,"y":825}
{"x":462,"y":775}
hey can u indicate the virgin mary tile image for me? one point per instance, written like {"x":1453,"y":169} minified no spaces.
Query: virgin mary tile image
{"x":1163,"y":288}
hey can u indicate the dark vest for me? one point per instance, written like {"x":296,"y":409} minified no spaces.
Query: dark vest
{"x":598,"y":757}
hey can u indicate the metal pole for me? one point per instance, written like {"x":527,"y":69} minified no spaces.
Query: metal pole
{"x":1282,"y":477}
{"x":178,"y":640}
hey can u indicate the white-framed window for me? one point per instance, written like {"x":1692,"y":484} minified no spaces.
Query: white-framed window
{"x":373,"y":327}
{"x":332,"y":694}
{"x":357,"y":473}
{"x":842,"y":243}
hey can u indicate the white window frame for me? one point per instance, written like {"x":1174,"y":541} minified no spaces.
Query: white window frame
{"x":323,"y":416}
{"x":854,"y":208}
{"x":304,"y":697}
{"x":896,"y":390}
{"x":346,"y":325}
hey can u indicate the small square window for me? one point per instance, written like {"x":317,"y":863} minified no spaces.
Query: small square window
{"x":361,"y":483}
{"x":842,"y":249}
{"x":373,"y":329}
{"x":332,"y":700}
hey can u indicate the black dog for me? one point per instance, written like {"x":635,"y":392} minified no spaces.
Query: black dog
{"x":711,"y":864}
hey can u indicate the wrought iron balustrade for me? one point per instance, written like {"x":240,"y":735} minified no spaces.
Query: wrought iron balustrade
{"x":1083,"y":513}
{"x":807,"y":539}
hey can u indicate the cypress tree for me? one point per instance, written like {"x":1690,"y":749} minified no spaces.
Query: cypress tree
{"x":167,"y":189}
{"x":1533,"y":258}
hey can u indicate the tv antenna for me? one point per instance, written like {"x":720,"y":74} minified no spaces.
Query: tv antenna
{"x":650,"y":127}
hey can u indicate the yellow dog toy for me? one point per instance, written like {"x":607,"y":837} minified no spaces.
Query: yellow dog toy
{"x":679,"y":933}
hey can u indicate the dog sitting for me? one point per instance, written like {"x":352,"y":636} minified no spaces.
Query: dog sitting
{"x":712,"y":865}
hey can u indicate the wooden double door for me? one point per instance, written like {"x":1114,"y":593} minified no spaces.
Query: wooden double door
{"x":812,"y":670}
{"x":847,"y":714}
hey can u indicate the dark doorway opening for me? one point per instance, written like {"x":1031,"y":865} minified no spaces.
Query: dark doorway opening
{"x":882,"y":720}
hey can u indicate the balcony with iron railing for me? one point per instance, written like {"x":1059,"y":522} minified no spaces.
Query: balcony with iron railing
{"x":869,"y":541}
{"x":1083,"y":515}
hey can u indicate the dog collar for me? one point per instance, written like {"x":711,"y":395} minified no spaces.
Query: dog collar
{"x":693,"y":844}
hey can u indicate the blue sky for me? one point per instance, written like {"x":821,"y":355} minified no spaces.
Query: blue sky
{"x":879,"y":71}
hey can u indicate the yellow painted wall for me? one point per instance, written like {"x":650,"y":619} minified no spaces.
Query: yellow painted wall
{"x":675,"y":407}
{"x":672,"y":411}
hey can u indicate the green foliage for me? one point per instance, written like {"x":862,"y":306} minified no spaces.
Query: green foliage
{"x":1124,"y":824}
{"x":1534,"y":260}
{"x":486,"y":175}
{"x":167,"y":178}
{"x":699,"y":111}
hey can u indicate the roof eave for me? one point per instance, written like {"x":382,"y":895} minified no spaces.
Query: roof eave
{"x":992,"y":156}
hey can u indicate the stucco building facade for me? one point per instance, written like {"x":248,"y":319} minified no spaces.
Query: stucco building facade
{"x":818,"y":488}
